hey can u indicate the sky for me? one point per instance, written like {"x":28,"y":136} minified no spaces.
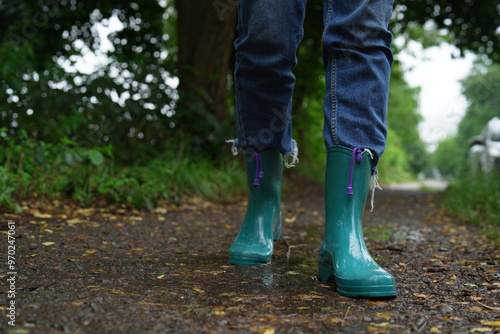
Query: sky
{"x":437,"y":71}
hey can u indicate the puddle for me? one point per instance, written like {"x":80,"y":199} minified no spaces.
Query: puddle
{"x":406,"y":233}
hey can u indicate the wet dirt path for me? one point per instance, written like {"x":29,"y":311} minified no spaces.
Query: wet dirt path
{"x":109,"y":270}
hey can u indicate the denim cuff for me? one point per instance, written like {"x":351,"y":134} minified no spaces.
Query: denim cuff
{"x":290,"y":158}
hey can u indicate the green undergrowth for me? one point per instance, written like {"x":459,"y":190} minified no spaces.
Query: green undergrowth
{"x":41,"y":171}
{"x":476,"y":199}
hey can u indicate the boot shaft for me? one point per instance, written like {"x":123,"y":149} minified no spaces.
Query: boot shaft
{"x":347,"y":182}
{"x":264,"y":174}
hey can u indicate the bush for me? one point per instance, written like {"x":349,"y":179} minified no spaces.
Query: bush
{"x":86,"y":175}
{"x":476,"y":198}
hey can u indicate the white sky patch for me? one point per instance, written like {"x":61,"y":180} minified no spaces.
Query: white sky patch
{"x":90,"y":61}
{"x":438,"y":71}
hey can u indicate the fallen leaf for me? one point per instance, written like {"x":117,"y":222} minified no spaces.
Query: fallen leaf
{"x":475,"y":309}
{"x":291,"y":219}
{"x":48,"y":243}
{"x":309,"y":297}
{"x":371,"y":329}
{"x":42,"y":215}
{"x":384,"y":315}
{"x":480,"y":329}
{"x":269,"y":331}
{"x":227,"y":294}
{"x":138,"y":249}
{"x":91,"y":251}
{"x":78,"y":302}
{"x":160,"y":210}
{"x":74,"y":221}
{"x":160,"y":277}
{"x":382,"y":324}
{"x":490,"y":323}
{"x":434,"y":330}
{"x":218,"y":312}
{"x":198,"y":290}
{"x":336,"y":320}
{"x":420,"y":295}
{"x":488,"y":307}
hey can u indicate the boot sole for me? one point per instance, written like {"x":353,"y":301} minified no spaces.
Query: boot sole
{"x":249,"y":261}
{"x":357,"y":291}
{"x":237,"y":260}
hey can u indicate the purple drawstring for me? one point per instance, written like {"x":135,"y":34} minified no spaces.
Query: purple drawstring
{"x":358,"y":161}
{"x":259,"y":173}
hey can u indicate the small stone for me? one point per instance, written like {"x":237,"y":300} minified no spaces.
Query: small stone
{"x":436,"y":263}
{"x":444,"y":308}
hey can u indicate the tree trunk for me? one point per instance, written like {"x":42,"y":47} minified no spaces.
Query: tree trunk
{"x":204,"y":35}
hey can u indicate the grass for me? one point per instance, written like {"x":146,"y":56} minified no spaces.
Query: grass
{"x":87,"y":176}
{"x":476,"y":199}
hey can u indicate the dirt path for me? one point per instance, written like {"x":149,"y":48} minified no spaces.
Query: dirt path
{"x":115,"y":271}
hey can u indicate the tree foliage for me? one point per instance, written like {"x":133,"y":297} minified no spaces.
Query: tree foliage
{"x":124,"y":101}
{"x":482,"y":91}
{"x":469,"y":24}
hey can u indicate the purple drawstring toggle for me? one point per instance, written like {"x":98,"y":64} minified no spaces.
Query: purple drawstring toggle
{"x":359,"y":159}
{"x":259,"y":173}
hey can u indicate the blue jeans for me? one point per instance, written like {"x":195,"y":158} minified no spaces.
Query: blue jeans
{"x":357,"y":59}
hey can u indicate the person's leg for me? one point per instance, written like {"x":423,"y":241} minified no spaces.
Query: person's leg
{"x":269,"y":34}
{"x":358,"y":62}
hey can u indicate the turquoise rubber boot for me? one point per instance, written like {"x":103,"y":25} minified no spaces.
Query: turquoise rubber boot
{"x":254,"y":244}
{"x":343,"y":253}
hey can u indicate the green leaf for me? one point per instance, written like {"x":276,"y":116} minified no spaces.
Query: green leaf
{"x":69,"y":142}
{"x":96,"y":157}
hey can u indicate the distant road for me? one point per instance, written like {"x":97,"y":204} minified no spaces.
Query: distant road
{"x":414,"y":186}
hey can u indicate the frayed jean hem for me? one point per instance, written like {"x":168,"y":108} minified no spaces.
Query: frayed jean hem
{"x":290,"y":159}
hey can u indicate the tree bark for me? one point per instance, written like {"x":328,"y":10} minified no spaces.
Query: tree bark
{"x":205,"y":31}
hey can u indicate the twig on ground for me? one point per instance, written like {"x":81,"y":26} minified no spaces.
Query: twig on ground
{"x":488,"y":307}
{"x":289,"y":249}
{"x":345,"y":316}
